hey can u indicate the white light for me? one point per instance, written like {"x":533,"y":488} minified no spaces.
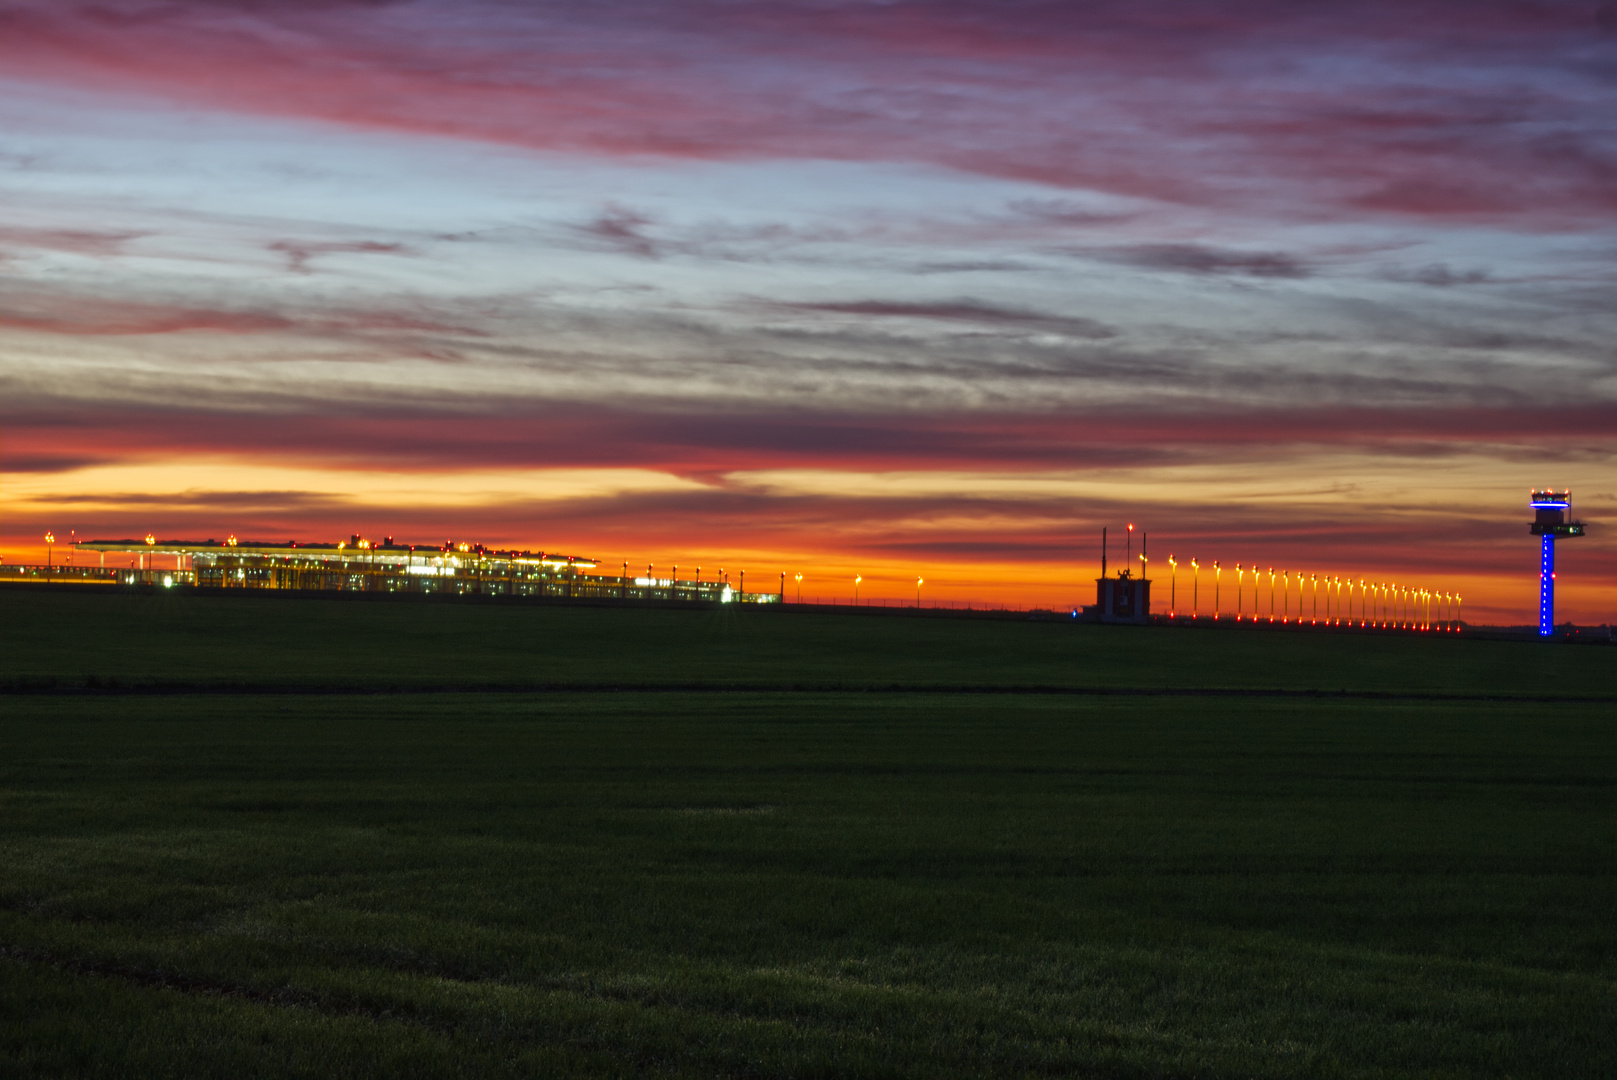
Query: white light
{"x":168,"y":581}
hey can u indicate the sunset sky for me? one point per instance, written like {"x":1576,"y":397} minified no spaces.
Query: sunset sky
{"x":886,"y":288}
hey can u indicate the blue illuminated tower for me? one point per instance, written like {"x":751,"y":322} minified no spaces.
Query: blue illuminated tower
{"x":1549,"y":522}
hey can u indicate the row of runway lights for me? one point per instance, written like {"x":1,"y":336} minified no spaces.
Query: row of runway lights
{"x":1381,"y":604}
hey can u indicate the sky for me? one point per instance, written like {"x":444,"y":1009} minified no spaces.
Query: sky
{"x":886,"y":289}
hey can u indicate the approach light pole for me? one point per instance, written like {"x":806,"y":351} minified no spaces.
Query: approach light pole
{"x":799,"y":588}
{"x":150,"y":540}
{"x":1195,"y":588}
{"x":1173,"y":586}
{"x":1218,"y":575}
{"x":1240,"y":587}
{"x":856,"y":580}
{"x":50,"y":539}
{"x":1271,"y":594}
{"x":918,"y":583}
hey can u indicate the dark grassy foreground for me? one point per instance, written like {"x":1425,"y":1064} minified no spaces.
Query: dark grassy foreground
{"x":790,"y":882}
{"x":74,"y":637}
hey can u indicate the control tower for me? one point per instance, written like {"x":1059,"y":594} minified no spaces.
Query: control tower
{"x":1549,"y":522}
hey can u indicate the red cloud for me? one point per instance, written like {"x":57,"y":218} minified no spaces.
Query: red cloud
{"x":96,"y":242}
{"x":1346,"y":110}
{"x":299,"y":252}
{"x":711,"y":444}
{"x":75,"y":315}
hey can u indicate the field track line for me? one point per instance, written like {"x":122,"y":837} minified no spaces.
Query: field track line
{"x":117,"y":688}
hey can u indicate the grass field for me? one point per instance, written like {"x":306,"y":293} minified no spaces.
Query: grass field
{"x":509,"y":841}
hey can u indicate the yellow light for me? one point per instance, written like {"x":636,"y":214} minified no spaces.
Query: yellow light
{"x":50,"y":538}
{"x":150,"y":539}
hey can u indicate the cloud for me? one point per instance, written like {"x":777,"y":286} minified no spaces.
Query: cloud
{"x":100,"y":243}
{"x":1439,"y":275}
{"x":972,"y":266}
{"x":1067,"y":213}
{"x":620,"y":229}
{"x":1366,"y":108}
{"x":299,"y":252}
{"x":70,"y":313}
{"x":51,"y":463}
{"x":212,"y":502}
{"x":965,"y":310}
{"x":708,"y":444}
{"x":1200,"y":259}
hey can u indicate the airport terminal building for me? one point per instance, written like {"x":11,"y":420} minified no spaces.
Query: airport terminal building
{"x":360,"y":565}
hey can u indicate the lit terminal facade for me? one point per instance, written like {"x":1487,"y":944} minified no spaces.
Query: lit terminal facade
{"x":360,"y":565}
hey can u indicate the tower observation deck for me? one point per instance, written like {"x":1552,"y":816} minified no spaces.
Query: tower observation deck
{"x":1550,"y":523}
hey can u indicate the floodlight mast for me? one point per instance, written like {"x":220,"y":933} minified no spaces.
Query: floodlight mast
{"x":1549,"y":523}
